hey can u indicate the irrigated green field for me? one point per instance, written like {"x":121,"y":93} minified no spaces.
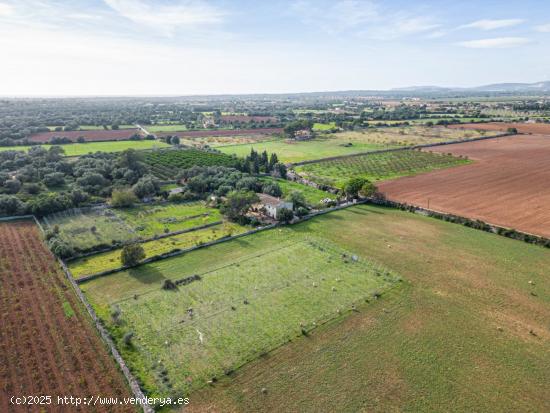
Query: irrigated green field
{"x":296,"y":151}
{"x":79,"y":149}
{"x":467,"y":331}
{"x":165,"y":128}
{"x":111,"y":260}
{"x":253,"y":296}
{"x":377,"y":166}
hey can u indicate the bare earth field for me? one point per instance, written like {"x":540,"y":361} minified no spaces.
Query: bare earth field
{"x":533,"y":128}
{"x":89,"y":135}
{"x":507,"y":186}
{"x":47,"y":344}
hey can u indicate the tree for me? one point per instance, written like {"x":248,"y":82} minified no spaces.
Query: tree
{"x":81,"y":139}
{"x":132,"y":254}
{"x":12,"y":186}
{"x":284,"y":215}
{"x":175,"y":140}
{"x":146,"y":187}
{"x":513,"y":131}
{"x":353,"y":186}
{"x":114,"y":126}
{"x":272,"y":188}
{"x":55,"y":179}
{"x":298,"y":199}
{"x":122,"y":198}
{"x":11,"y":205}
{"x":238,"y":203}
{"x":368,"y":189}
{"x":60,"y":248}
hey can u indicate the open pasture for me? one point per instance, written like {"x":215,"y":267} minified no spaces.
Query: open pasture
{"x":89,"y":135}
{"x":151,"y":220}
{"x":376,"y":166}
{"x":48,"y":345}
{"x":312,"y":195}
{"x":467,"y":330}
{"x":530,"y":128}
{"x":88,"y":228}
{"x":507,"y":185}
{"x":223,"y":132}
{"x":264,"y":292}
{"x":111,"y":260}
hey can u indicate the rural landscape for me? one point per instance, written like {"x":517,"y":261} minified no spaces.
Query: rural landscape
{"x":282,"y":248}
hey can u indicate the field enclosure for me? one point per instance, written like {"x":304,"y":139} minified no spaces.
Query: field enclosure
{"x":376,"y":166}
{"x":313,"y":196}
{"x":454,"y":337}
{"x":88,"y":228}
{"x":89,"y":135}
{"x":530,"y":128}
{"x":507,"y":185}
{"x":48,"y":345}
{"x":222,"y":132}
{"x":256,"y":294}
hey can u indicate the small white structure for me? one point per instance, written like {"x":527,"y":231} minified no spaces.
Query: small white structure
{"x":272,"y":205}
{"x":177,"y":190}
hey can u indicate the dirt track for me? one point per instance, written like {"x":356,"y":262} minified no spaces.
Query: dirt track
{"x":43,"y":350}
{"x":508,"y":185}
{"x":534,"y":128}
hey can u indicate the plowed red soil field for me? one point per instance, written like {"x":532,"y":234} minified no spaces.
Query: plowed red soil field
{"x":534,"y":128}
{"x":47,"y":344}
{"x":508,"y":185}
{"x":89,"y":135}
{"x":222,"y":132}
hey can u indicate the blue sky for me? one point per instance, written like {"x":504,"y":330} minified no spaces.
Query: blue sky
{"x":171,"y":47}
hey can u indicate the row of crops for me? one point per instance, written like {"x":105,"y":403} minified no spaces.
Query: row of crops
{"x":377,"y":166}
{"x":166,"y":164}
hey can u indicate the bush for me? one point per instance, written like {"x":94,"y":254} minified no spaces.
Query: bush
{"x":127,"y":339}
{"x":168,"y":284}
{"x":284,"y":215}
{"x":60,"y":248}
{"x":132,"y":254}
{"x":179,"y":197}
{"x":122,"y":198}
{"x":11,"y":205}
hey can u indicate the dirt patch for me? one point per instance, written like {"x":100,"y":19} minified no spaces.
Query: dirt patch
{"x":47,"y":344}
{"x":507,"y":186}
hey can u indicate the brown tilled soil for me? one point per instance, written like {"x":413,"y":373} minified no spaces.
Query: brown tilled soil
{"x":44,"y":349}
{"x":89,"y":135}
{"x":222,"y":132}
{"x":533,"y":128}
{"x":508,"y":185}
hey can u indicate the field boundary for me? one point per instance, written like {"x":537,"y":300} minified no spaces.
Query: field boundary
{"x":404,"y":148}
{"x":467,"y":222}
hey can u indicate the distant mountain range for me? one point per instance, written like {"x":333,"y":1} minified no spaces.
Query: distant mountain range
{"x":496,"y":87}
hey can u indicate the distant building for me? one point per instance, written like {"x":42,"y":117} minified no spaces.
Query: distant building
{"x":178,"y":190}
{"x":303,"y":135}
{"x":272,"y":205}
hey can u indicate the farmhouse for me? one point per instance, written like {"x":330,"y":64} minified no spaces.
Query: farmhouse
{"x":303,"y":135}
{"x":272,"y":205}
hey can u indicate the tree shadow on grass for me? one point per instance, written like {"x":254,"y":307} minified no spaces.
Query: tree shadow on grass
{"x":146,"y":274}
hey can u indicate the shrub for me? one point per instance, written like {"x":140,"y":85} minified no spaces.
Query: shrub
{"x":168,"y":284}
{"x":60,"y":248}
{"x":127,"y":339}
{"x":122,"y":198}
{"x":132,"y":254}
{"x":284,"y":215}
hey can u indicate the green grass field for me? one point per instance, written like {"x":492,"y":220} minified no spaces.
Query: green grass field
{"x":111,"y":260}
{"x":247,"y":303}
{"x":165,"y":128}
{"x":78,"y":149}
{"x":455,"y":337}
{"x":150,"y":220}
{"x":75,"y":227}
{"x":320,"y":127}
{"x":377,"y":166}
{"x":320,"y":147}
{"x":313,"y":196}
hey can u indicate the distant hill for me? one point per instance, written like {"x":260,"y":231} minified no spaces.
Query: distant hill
{"x":495,"y":87}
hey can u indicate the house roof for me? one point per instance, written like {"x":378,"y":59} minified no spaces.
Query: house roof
{"x":271,"y":200}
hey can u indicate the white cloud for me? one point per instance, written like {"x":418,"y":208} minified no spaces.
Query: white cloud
{"x":495,"y":43}
{"x":543,"y":28}
{"x":167,"y":18}
{"x":6,"y":9}
{"x":490,"y":24}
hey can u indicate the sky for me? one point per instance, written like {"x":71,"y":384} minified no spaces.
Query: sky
{"x":184,"y":47}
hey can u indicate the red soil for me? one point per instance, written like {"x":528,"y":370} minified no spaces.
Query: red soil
{"x":89,"y":135}
{"x":222,"y":132}
{"x":506,"y":186}
{"x":42,"y":350}
{"x":535,"y":128}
